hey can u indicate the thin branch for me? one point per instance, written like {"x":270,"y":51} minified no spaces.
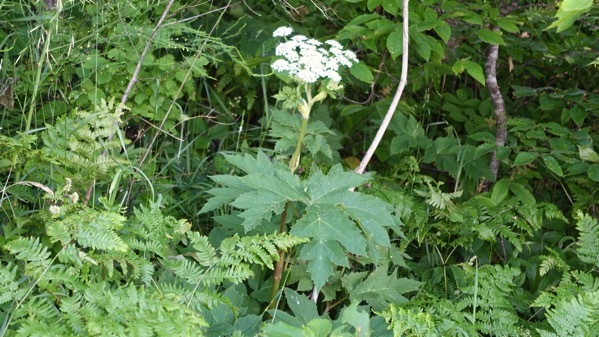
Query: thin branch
{"x":143,"y":54}
{"x":402,"y":84}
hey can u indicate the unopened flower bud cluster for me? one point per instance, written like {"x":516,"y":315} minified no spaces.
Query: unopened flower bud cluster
{"x":309,"y":60}
{"x":73,"y":197}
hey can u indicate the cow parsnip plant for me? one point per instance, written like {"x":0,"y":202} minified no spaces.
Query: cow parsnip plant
{"x":308,"y":63}
{"x":320,"y":207}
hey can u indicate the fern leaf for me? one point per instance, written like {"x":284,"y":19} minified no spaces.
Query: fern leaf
{"x":588,"y":241}
{"x":29,"y":249}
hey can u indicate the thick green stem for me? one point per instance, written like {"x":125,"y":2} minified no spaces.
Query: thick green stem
{"x":278,"y":276}
{"x":295,"y":158}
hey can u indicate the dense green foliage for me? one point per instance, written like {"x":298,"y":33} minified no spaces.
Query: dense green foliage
{"x":158,"y":178}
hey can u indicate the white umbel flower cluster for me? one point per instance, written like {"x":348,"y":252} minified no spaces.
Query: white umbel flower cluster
{"x":309,"y":60}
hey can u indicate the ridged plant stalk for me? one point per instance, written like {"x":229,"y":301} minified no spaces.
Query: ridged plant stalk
{"x":295,"y":158}
{"x":304,"y":107}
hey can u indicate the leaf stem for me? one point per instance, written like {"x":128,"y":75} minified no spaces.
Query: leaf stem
{"x":295,"y":158}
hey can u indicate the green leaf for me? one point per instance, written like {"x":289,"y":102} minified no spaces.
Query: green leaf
{"x":395,"y":43}
{"x":578,"y":115}
{"x":503,"y":152}
{"x":525,"y":158}
{"x":5,"y":163}
{"x":322,"y":185}
{"x":425,"y":25}
{"x":260,"y":164}
{"x":523,"y":194}
{"x":593,"y":172}
{"x":475,"y":70}
{"x":490,"y":37}
{"x":422,"y":46}
{"x":483,"y":149}
{"x":443,"y":30}
{"x":553,"y":165}
{"x":473,"y":18}
{"x":302,"y":308}
{"x":500,"y":190}
{"x":507,"y":25}
{"x":372,"y":4}
{"x":391,"y":6}
{"x":570,"y":11}
{"x":577,"y":168}
{"x":360,"y":320}
{"x":588,"y":154}
{"x":361,"y":72}
{"x":323,"y":255}
{"x":352,"y":109}
{"x":320,"y":327}
{"x":371,"y":213}
{"x":282,"y":329}
{"x":576,"y":5}
{"x":329,"y":223}
{"x":565,"y":19}
{"x":258,"y":205}
{"x":380,"y":289}
{"x":523,"y":91}
{"x":223,"y":196}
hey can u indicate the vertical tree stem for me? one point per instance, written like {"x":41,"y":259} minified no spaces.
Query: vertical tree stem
{"x":498,"y":104}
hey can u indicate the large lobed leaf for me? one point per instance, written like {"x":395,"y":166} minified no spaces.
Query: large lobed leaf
{"x":336,"y":221}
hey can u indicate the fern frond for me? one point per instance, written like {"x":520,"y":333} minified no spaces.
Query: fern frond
{"x":588,"y":240}
{"x":40,"y":308}
{"x":553,"y":261}
{"x":29,"y":249}
{"x":185,"y":269}
{"x":205,"y":253}
{"x":9,"y":285}
{"x":578,"y":316}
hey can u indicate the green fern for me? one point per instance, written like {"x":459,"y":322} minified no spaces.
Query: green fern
{"x":577,"y":316}
{"x":483,"y":303}
{"x":9,"y":285}
{"x":410,"y":322}
{"x":90,"y":228}
{"x":170,"y":273}
{"x":85,"y":146}
{"x":29,"y":249}
{"x":588,"y":240}
{"x":572,"y":306}
{"x":236,"y":256}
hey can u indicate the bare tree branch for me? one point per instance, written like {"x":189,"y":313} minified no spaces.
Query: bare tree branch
{"x":143,"y":54}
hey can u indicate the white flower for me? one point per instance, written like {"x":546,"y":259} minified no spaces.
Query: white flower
{"x":67,"y":186}
{"x":282,"y":32}
{"x":309,"y":60}
{"x":54,"y":209}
